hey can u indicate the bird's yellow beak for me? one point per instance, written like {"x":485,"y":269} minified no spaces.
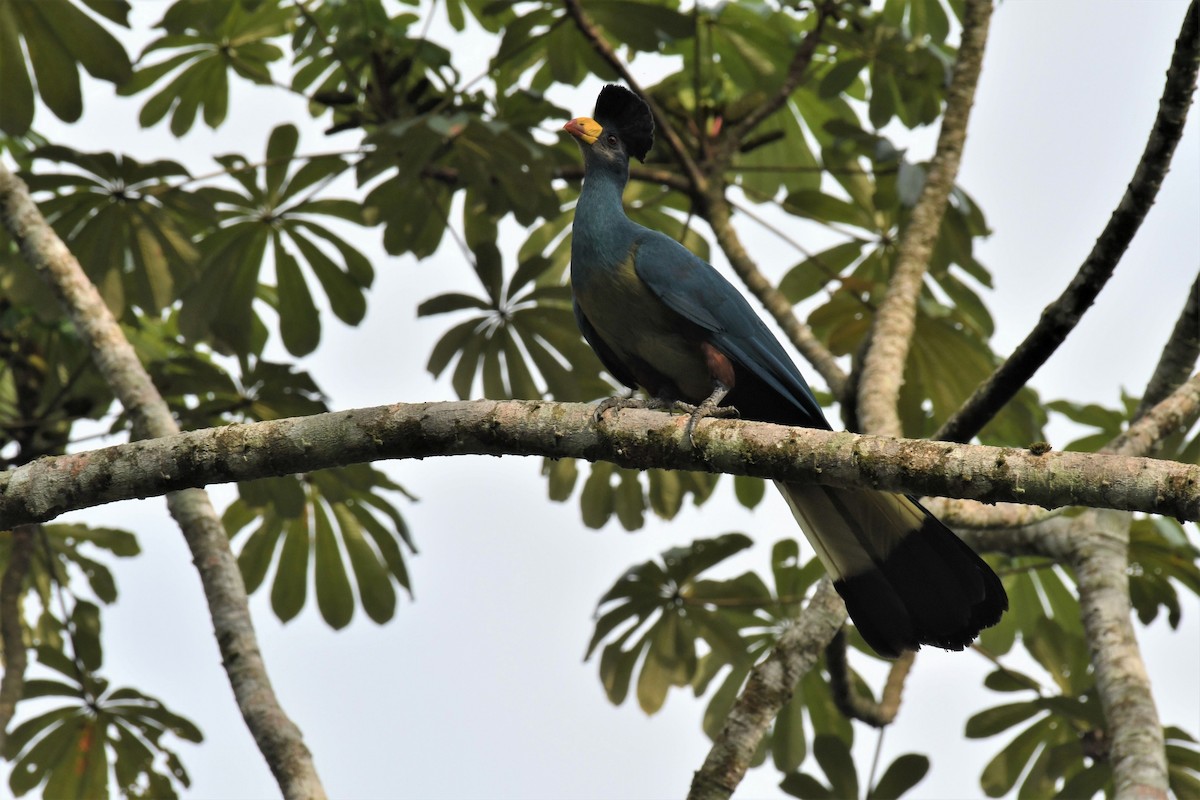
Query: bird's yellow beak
{"x":584,"y":129}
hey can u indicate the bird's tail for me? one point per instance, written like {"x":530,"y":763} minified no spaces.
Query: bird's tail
{"x":906,"y":578}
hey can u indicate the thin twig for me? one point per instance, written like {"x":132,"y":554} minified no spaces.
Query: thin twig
{"x":1060,"y":317}
{"x":892,"y":331}
{"x":854,"y":705}
{"x":796,"y":72}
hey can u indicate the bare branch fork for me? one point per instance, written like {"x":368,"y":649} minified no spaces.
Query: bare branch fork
{"x":277,"y":736}
{"x":1060,"y":317}
{"x":633,"y":438}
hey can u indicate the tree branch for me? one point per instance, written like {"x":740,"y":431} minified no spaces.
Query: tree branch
{"x":855,"y":706}
{"x":973,"y":514}
{"x":1179,"y":355}
{"x":892,"y":331}
{"x":12,"y":687}
{"x":767,"y":690}
{"x":1051,"y":537}
{"x":634,"y":438}
{"x":1060,"y":317}
{"x":277,"y":736}
{"x":1178,"y":412}
{"x":1137,"y":753}
{"x":795,"y":74}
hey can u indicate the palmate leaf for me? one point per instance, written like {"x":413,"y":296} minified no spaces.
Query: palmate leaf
{"x":360,"y":61}
{"x":522,"y":339}
{"x":48,"y":382}
{"x":74,"y":750}
{"x":324,"y":519}
{"x":650,"y":601}
{"x":656,"y":620}
{"x":1061,"y":752}
{"x":275,"y":214}
{"x":59,"y":37}
{"x":1160,"y":556}
{"x":1183,"y":763}
{"x":130,"y":229}
{"x":204,"y":40}
{"x":627,"y":493}
{"x":72,"y":550}
{"x":429,"y":157}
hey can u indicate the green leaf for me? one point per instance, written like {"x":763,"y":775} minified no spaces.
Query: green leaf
{"x":749,"y":491}
{"x":818,"y":206}
{"x":806,"y":787}
{"x":85,"y":623}
{"x":811,"y":275}
{"x":298,"y":320}
{"x":60,"y":37}
{"x":597,"y":500}
{"x":1005,"y":768}
{"x":562,"y":474}
{"x":616,"y":671}
{"x":789,"y":742}
{"x":834,"y":757}
{"x":1009,"y":680}
{"x":991,"y":721}
{"x":281,"y":146}
{"x":374,"y":586}
{"x":334,"y":597}
{"x":259,"y":550}
{"x":451,"y":301}
{"x":628,"y":500}
{"x":290,"y":588}
{"x":654,"y":680}
{"x":345,"y":293}
{"x":901,"y":775}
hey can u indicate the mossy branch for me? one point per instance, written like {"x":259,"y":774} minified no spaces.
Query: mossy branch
{"x":634,"y":438}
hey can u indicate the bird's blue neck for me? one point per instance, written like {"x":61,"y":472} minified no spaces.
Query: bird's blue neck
{"x":600,"y":220}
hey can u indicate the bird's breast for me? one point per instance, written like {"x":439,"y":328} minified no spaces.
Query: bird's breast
{"x":661,"y":349}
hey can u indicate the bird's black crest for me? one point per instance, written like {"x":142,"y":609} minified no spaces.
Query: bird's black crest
{"x":619,"y":108}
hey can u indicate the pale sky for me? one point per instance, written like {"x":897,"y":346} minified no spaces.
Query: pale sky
{"x":478,"y":689}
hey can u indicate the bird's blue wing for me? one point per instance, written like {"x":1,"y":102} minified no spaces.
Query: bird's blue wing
{"x":695,"y":290}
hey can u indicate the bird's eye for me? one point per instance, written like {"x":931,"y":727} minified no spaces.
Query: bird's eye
{"x":612,"y":140}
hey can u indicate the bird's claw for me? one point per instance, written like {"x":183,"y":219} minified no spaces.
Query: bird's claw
{"x":619,"y":402}
{"x":709,"y":408}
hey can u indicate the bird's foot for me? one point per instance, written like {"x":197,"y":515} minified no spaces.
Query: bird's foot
{"x":710,"y":407}
{"x":619,"y":402}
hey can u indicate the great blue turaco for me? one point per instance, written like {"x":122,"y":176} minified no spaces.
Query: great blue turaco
{"x":663,"y":320}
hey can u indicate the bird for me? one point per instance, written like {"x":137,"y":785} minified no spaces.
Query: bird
{"x":663,"y":320}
